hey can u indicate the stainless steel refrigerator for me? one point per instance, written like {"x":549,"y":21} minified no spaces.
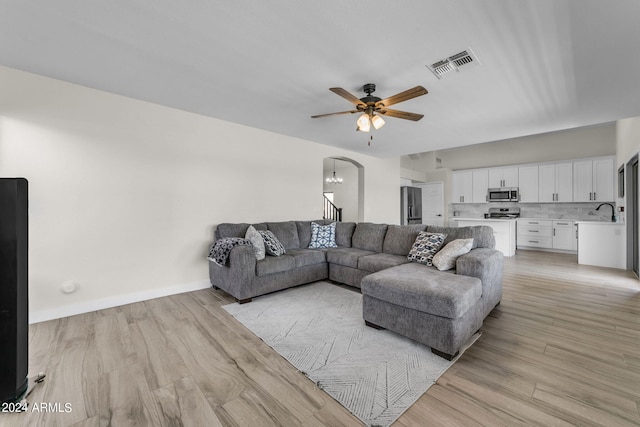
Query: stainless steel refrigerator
{"x":411,"y":205}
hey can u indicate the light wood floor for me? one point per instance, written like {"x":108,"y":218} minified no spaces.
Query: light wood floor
{"x":563,"y":348}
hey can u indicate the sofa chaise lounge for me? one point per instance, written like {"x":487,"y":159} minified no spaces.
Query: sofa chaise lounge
{"x":441,"y":309}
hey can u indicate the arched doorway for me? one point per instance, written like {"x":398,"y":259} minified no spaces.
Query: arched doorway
{"x":349,"y":195}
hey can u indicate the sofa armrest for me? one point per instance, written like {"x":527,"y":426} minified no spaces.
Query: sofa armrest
{"x":487,"y":265}
{"x":238,"y":276}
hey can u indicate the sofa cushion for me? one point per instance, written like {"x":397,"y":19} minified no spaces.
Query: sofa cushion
{"x":307,"y":256}
{"x":235,"y":230}
{"x":346,"y":256}
{"x":377,"y":262}
{"x":231,"y":230}
{"x":368,"y":236}
{"x":272,"y":245}
{"x":482,"y":234}
{"x":425,"y":247}
{"x":304,"y":231}
{"x":344,"y":233}
{"x":323,"y":236}
{"x":445,"y":258}
{"x":400,"y":238}
{"x":286,"y":232}
{"x":271,"y":264}
{"x":424,"y":289}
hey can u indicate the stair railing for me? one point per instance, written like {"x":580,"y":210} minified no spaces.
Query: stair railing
{"x":331,"y":211}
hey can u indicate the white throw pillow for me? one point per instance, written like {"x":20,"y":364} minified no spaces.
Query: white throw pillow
{"x":446,"y":258}
{"x":256,"y":241}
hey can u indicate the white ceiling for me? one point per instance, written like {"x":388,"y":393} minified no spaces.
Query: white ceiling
{"x":546,"y":65}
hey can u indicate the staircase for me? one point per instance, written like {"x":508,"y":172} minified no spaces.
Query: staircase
{"x":331,"y":211}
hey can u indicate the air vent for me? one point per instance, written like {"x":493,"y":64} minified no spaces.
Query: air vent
{"x":459,"y":61}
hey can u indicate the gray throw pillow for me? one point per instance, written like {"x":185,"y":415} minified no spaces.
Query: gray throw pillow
{"x":446,"y":257}
{"x":425,"y":247}
{"x":272,"y":245}
{"x":256,"y":241}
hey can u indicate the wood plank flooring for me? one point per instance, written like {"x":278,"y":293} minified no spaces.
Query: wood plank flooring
{"x":563,"y":348}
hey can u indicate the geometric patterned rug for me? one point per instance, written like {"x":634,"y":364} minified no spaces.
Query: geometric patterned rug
{"x":318,"y":328}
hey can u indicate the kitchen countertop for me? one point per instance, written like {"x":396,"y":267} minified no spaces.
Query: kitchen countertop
{"x":548,"y":219}
{"x":600,"y":222}
{"x":458,"y":218}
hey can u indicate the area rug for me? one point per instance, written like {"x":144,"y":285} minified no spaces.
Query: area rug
{"x":318,"y":328}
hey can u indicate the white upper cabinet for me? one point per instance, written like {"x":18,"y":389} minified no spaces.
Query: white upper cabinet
{"x":503,"y":177}
{"x":593,"y":180}
{"x":480,"y":185}
{"x":528,"y":184}
{"x":555,"y":182}
{"x":462,"y":187}
{"x":582,"y":180}
{"x":470,"y":186}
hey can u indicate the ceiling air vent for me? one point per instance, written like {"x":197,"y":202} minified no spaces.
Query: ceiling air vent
{"x":459,"y":61}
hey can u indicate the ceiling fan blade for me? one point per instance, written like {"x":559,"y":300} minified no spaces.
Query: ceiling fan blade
{"x":402,"y":96}
{"x":348,"y":96}
{"x":336,"y":114}
{"x":401,"y":114}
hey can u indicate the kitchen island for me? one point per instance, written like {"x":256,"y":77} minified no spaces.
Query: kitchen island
{"x":504,"y":231}
{"x":602,"y":243}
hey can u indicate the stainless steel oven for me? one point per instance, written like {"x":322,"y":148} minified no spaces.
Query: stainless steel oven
{"x":503,"y":194}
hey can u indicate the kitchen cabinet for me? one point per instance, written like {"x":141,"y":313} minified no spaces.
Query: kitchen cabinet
{"x":504,"y":231}
{"x":462,"y":187}
{"x":503,"y":177}
{"x":535,"y":233}
{"x":555,"y":182}
{"x":480,"y":185}
{"x":528,"y":184}
{"x":547,"y":234}
{"x":470,"y":186}
{"x":593,"y":180}
{"x":565,"y":235}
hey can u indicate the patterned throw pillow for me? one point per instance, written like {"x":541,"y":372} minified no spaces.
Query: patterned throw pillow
{"x":256,"y":241}
{"x":271,"y":243}
{"x":425,"y":247}
{"x":323,"y":236}
{"x":446,"y":258}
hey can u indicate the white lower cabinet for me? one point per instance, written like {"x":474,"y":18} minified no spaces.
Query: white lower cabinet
{"x":535,"y":233}
{"x":546,"y":234}
{"x":565,"y":235}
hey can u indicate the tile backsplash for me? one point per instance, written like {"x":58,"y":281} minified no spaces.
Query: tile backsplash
{"x":577,"y":211}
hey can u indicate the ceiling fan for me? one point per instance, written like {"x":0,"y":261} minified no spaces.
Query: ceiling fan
{"x":371,"y":106}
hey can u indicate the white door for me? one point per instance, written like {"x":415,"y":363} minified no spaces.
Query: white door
{"x":432,"y":203}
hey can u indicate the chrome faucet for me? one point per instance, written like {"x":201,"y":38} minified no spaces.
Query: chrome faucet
{"x":613,"y":211}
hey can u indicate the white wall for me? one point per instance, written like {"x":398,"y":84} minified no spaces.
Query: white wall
{"x":627,"y":139}
{"x":570,"y":144}
{"x":125,"y":194}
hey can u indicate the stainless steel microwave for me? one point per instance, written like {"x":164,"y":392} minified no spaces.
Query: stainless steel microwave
{"x":503,"y":194}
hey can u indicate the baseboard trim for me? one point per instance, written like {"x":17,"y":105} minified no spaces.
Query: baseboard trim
{"x":100,"y":304}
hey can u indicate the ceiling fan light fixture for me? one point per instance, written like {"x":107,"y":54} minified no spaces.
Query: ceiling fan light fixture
{"x":364,"y":125}
{"x":377,"y":121}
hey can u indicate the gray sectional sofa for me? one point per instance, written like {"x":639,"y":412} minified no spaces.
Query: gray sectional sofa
{"x":441,"y":309}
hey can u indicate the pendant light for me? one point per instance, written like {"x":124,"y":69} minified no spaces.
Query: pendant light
{"x":334,"y":179}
